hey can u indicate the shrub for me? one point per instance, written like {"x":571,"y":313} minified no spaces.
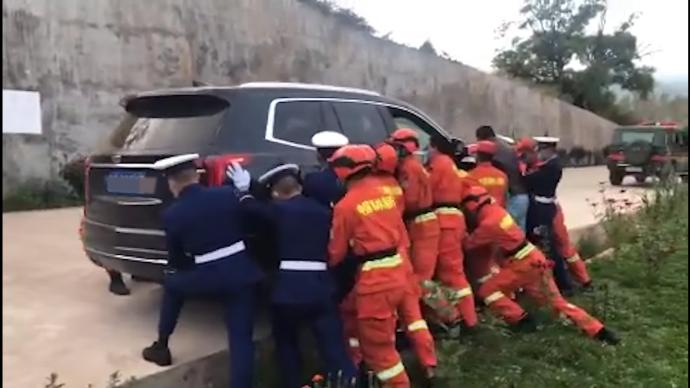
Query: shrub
{"x":37,"y":194}
{"x":73,"y":174}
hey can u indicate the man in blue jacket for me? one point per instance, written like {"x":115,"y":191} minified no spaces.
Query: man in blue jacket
{"x":206,"y":258}
{"x":542,"y":182}
{"x":303,"y":288}
{"x":323,"y":185}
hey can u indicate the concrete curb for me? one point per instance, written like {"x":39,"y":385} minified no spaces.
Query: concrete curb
{"x":212,"y":371}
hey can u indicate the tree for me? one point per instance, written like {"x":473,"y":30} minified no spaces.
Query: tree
{"x":428,"y":48}
{"x":559,"y":42}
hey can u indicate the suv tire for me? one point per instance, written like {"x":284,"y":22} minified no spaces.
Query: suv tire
{"x":616,"y":178}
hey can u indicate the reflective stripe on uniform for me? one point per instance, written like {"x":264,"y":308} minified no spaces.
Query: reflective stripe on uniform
{"x":483,"y":279}
{"x":386,"y":262}
{"x":354,"y":342}
{"x":494,"y":297}
{"x":524,"y":252}
{"x":573,"y":259}
{"x":417,"y":325}
{"x":463,"y":292}
{"x":506,"y":222}
{"x":220,"y":253}
{"x":448,"y":210}
{"x":424,"y":217}
{"x":546,"y":200}
{"x":301,"y":265}
{"x":391,"y":372}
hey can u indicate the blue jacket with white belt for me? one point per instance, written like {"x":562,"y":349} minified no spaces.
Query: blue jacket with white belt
{"x":204,"y":226}
{"x":302,"y":227}
{"x":324,"y":187}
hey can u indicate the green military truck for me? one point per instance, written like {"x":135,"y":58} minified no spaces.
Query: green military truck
{"x":657,"y":149}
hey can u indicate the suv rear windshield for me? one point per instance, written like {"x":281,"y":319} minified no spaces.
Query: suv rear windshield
{"x":174,"y":123}
{"x":627,"y":136}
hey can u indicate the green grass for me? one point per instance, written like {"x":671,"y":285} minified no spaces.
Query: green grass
{"x":644,"y":299}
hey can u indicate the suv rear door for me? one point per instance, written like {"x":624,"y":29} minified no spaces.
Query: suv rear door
{"x":125,"y":194}
{"x":361,"y":122}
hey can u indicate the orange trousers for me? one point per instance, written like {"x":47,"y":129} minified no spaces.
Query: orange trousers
{"x":348,"y":314}
{"x":576,"y":266}
{"x":376,"y":321}
{"x":533,"y":275}
{"x":424,"y":235}
{"x":451,"y":273}
{"x":410,"y":316}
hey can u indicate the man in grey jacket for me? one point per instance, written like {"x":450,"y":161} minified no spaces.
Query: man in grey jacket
{"x":506,"y":160}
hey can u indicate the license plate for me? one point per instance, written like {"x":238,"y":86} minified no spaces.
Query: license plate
{"x":129,"y":182}
{"x":633,"y":169}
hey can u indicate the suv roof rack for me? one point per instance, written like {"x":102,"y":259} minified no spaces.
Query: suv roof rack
{"x":298,"y":85}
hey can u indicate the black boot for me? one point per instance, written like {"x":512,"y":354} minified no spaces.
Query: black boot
{"x":588,"y":287}
{"x":117,"y":284}
{"x":607,"y":336}
{"x":429,"y":377}
{"x":158,"y":354}
{"x":525,"y":325}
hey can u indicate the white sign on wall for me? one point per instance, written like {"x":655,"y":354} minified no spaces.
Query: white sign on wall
{"x":21,"y":112}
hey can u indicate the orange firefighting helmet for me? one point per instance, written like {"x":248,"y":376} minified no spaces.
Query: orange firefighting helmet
{"x":486,"y":147}
{"x":351,"y":159}
{"x":525,"y":144}
{"x":474,"y":198}
{"x":387,"y":158}
{"x":407,"y":138}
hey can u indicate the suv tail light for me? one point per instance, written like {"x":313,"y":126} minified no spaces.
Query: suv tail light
{"x":616,"y":156}
{"x":659,"y":158}
{"x":216,"y":166}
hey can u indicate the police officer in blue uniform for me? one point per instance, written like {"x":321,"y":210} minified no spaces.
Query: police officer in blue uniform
{"x":541,"y":184}
{"x":303,"y":288}
{"x":324,"y":185}
{"x":207,"y":259}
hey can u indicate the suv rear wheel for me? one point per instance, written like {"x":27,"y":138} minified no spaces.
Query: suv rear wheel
{"x":616,"y":178}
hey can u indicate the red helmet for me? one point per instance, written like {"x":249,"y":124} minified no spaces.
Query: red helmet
{"x":486,"y":147}
{"x":387,"y":158}
{"x":351,"y":159}
{"x":525,"y":144}
{"x":407,"y":138}
{"x":474,"y":198}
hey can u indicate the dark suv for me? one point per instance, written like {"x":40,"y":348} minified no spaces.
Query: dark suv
{"x":649,"y":149}
{"x":257,"y":124}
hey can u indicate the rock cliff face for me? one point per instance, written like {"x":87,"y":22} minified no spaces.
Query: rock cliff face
{"x":83,"y":56}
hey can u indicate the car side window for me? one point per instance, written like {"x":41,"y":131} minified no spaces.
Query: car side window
{"x":405,"y":119}
{"x":361,"y":123}
{"x":297,"y":121}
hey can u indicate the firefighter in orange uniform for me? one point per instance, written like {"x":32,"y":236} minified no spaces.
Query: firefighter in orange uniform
{"x":482,"y":261}
{"x":422,"y":223}
{"x":526,"y":268}
{"x":410,"y":313}
{"x":448,"y":184}
{"x":367,"y":223}
{"x":526,"y":149}
{"x":492,"y":179}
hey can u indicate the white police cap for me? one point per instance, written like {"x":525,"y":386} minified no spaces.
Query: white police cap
{"x":546,"y":140}
{"x":176,"y":163}
{"x":272,"y":175}
{"x":329,"y":139}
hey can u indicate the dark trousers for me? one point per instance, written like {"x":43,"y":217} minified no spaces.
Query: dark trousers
{"x":325,"y":324}
{"x":540,"y":232}
{"x":209,"y":282}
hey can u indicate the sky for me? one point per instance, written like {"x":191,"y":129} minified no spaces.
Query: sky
{"x":466,"y":29}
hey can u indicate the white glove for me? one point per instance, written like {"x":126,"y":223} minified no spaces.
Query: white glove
{"x":239,"y":176}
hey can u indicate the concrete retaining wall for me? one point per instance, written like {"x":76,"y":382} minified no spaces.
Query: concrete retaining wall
{"x":84,"y":55}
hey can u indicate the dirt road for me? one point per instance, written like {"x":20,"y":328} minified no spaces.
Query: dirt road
{"x":59,"y":317}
